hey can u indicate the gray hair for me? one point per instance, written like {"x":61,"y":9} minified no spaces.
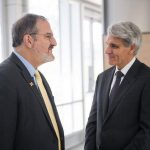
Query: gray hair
{"x":128,"y":32}
{"x":25,"y":25}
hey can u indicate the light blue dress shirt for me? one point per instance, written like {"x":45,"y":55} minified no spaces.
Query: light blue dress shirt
{"x":29,"y":67}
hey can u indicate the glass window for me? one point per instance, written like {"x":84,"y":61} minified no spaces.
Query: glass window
{"x":95,"y":1}
{"x":92,"y":59}
{"x":71,"y":69}
{"x":98,"y":48}
{"x":77,"y":61}
{"x":66,"y":115}
{"x":87,"y":56}
{"x":71,"y":117}
{"x":78,"y":116}
{"x":64,"y":74}
{"x":1,"y":31}
{"x":50,"y":70}
{"x":0,"y":45}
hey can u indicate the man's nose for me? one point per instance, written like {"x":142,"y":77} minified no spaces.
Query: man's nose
{"x":53,"y":41}
{"x":108,"y":50}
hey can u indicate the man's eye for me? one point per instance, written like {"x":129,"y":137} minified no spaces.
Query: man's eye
{"x":114,"y":46}
{"x":48,"y":36}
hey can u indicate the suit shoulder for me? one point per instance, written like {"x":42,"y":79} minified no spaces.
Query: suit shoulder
{"x":107,"y":71}
{"x":4,"y":66}
{"x":145,"y":70}
{"x":7,"y":69}
{"x":105,"y":74}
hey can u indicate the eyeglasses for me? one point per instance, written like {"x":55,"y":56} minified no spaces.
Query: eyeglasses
{"x":48,"y":36}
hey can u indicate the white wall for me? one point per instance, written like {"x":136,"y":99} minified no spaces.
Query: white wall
{"x":136,"y":11}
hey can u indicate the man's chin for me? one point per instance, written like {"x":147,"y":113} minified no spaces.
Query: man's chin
{"x":52,"y":58}
{"x":111,"y":63}
{"x":49,"y":59}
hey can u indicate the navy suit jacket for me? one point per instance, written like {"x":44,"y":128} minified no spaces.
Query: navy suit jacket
{"x":126,"y":126}
{"x":24,"y":120}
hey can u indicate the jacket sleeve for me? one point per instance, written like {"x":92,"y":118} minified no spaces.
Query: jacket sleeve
{"x":90,"y":135}
{"x":8,"y":114}
{"x":141,"y":141}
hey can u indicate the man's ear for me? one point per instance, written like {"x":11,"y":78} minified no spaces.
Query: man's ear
{"x":28,"y":40}
{"x":132,"y":49}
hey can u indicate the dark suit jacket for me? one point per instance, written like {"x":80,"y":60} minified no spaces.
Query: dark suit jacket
{"x":126,"y":126}
{"x":24,"y":120}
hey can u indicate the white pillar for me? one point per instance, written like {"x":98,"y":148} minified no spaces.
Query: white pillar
{"x":14,"y":10}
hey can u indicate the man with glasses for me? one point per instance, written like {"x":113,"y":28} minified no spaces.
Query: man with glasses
{"x":28,"y":116}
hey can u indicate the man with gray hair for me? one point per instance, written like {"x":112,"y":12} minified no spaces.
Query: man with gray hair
{"x":120,"y":113}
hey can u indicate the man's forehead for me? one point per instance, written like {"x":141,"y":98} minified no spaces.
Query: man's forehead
{"x":112,"y":39}
{"x":44,"y":26}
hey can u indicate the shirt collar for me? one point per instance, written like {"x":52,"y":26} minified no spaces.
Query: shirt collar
{"x":29,"y":67}
{"x":127,"y":67}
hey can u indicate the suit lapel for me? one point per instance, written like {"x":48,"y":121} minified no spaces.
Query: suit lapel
{"x":124,"y":87}
{"x":106,"y":88}
{"x":127,"y":82}
{"x":26,"y":75}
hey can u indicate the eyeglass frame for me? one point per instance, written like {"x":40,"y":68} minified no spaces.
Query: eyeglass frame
{"x":48,"y":36}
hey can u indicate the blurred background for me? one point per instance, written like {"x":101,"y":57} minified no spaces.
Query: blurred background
{"x":79,"y":27}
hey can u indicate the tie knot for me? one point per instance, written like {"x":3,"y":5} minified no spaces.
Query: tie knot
{"x":37,"y":75}
{"x":119,"y":74}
